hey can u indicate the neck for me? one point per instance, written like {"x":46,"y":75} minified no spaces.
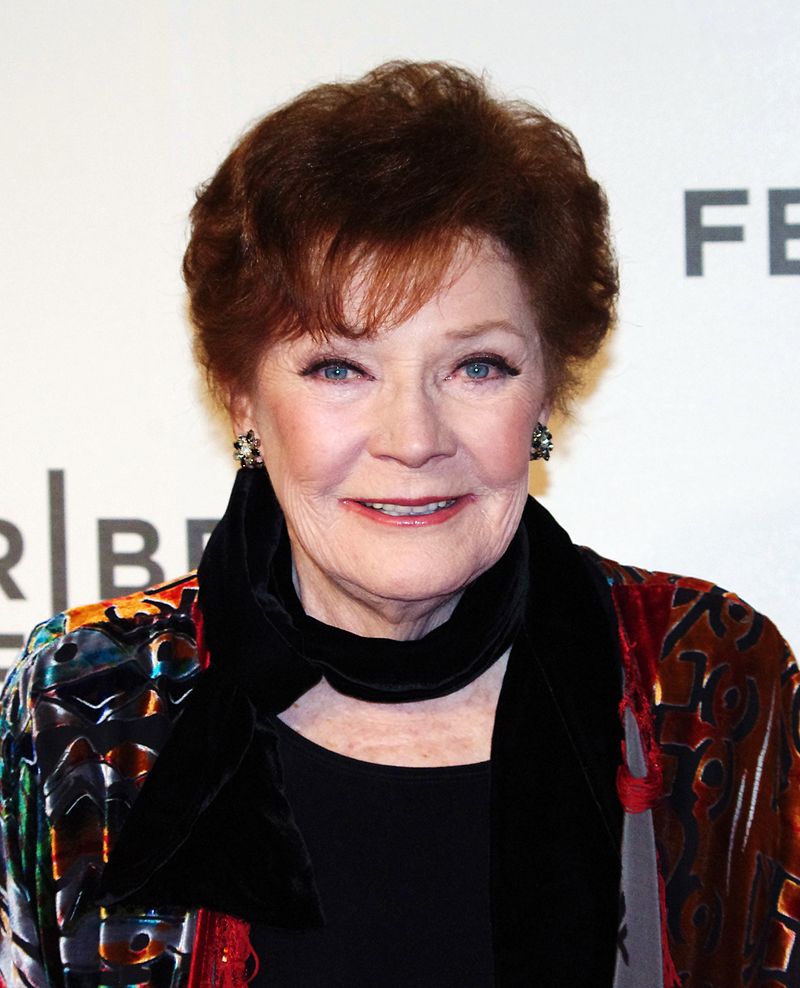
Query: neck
{"x":345,"y":607}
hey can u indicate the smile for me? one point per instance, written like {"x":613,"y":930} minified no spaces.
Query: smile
{"x":400,"y":510}
{"x":417,"y":512}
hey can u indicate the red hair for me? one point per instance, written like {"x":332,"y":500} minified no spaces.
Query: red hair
{"x":389,"y":174}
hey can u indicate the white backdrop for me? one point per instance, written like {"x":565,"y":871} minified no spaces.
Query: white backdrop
{"x":684,"y":454}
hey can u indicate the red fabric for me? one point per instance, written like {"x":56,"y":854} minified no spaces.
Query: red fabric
{"x":644,"y":620}
{"x":222,"y":956}
{"x":643,"y":624}
{"x":202,"y":652}
{"x":638,"y":794}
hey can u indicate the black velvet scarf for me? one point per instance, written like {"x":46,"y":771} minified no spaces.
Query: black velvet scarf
{"x":212,"y":827}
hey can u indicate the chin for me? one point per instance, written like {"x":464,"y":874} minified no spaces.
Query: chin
{"x":417,"y":584}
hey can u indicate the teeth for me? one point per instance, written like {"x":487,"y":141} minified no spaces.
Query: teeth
{"x":409,"y":509}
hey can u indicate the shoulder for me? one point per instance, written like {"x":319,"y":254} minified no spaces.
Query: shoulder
{"x":103,"y":650}
{"x":84,"y":715}
{"x":624,"y":575}
{"x":695,"y":614}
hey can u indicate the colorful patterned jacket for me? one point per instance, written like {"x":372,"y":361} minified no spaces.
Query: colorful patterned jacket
{"x":92,"y":701}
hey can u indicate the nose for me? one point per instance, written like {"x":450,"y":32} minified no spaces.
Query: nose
{"x":410,"y":425}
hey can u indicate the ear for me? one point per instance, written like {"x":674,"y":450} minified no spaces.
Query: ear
{"x":545,"y":412}
{"x":240,"y":412}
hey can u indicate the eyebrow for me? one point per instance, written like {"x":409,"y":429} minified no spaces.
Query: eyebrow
{"x":467,"y":332}
{"x":478,"y":328}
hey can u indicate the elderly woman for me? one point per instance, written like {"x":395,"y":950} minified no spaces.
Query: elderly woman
{"x":399,"y":730}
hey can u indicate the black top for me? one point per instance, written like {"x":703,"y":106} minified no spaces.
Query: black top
{"x":401,"y":860}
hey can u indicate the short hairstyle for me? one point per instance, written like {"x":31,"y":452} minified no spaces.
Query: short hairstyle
{"x":389,"y":175}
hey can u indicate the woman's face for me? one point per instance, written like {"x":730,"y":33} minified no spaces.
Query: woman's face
{"x":401,"y":461}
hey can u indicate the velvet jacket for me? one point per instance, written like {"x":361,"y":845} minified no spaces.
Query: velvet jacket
{"x":714,"y":688}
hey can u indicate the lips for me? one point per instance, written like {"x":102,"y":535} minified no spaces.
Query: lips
{"x":398,"y":510}
{"x":402,"y":512}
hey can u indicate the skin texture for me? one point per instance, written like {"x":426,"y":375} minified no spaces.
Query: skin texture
{"x":439,"y":407}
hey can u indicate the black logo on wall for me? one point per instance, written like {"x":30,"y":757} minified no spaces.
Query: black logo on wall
{"x":110,"y":558}
{"x":781,"y":231}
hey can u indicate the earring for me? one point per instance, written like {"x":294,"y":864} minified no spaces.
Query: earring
{"x":541,"y":442}
{"x":247,"y":451}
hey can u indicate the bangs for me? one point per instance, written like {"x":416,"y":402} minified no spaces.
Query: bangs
{"x":352,"y":287}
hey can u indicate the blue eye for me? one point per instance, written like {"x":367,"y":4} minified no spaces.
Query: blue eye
{"x":332,"y":369}
{"x":335,"y":372}
{"x":486,"y":367}
{"x":476,"y":370}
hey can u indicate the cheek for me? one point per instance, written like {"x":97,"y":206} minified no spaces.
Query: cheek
{"x":307,"y":447}
{"x":503,"y":449}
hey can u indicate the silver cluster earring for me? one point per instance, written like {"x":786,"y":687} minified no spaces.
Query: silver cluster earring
{"x":541,"y":442}
{"x":247,"y":451}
